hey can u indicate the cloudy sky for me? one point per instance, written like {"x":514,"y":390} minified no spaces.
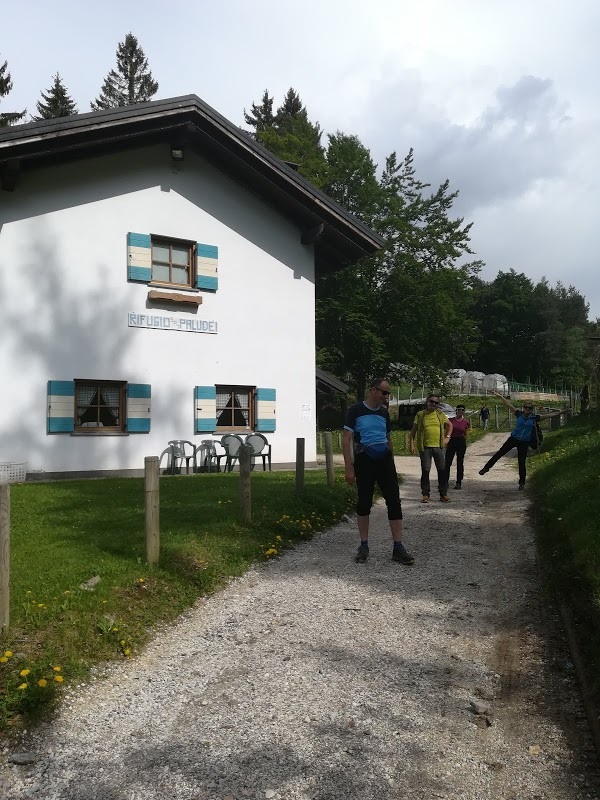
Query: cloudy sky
{"x":500,"y":96}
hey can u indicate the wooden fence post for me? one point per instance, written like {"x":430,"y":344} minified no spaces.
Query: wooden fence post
{"x":299,"y":466}
{"x":496,"y":415}
{"x":4,"y":555}
{"x":152,"y":505}
{"x":406,"y":441}
{"x":244,"y":457}
{"x":329,"y":459}
{"x":339,"y":440}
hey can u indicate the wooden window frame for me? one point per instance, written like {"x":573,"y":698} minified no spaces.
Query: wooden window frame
{"x":122,"y":387}
{"x":232,"y":388}
{"x":166,"y":241}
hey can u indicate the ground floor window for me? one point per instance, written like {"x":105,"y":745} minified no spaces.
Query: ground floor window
{"x":235,"y":408}
{"x":99,"y":404}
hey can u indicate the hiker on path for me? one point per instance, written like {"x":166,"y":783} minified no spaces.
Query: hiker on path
{"x":484,"y":415}
{"x":432,"y":430}
{"x":523,"y":436}
{"x":457,"y":446}
{"x":368,"y":424}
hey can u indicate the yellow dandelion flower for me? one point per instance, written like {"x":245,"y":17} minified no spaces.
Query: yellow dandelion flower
{"x":141,"y":580}
{"x":58,"y":678}
{"x":42,"y":682}
{"x":122,"y":642}
{"x":22,"y":686}
{"x":57,"y":669}
{"x":127,"y":651}
{"x":278,"y":538}
{"x":3,"y":660}
{"x":271,"y":552}
{"x":24,"y":673}
{"x":7,"y":653}
{"x":115,"y":630}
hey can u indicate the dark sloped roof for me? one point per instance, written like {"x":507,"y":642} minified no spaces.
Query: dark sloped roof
{"x":188,"y":121}
{"x":331,"y":381}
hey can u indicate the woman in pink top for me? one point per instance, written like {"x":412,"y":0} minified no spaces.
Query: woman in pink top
{"x":457,"y":446}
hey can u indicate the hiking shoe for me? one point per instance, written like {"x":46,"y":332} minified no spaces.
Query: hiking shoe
{"x":444,"y":498}
{"x":484,"y":470}
{"x":425,"y":498}
{"x":458,"y":485}
{"x":362,"y":554}
{"x":522,"y":485}
{"x":401,"y":554}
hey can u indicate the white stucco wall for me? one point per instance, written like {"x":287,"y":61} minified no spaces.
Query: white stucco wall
{"x":65,"y":298}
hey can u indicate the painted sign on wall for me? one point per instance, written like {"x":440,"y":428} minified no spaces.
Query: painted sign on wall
{"x":169,"y":323}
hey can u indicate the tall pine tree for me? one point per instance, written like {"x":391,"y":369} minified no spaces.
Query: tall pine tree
{"x":55,"y":102}
{"x":132,"y":82}
{"x":261,"y":114}
{"x":290,"y":135}
{"x":5,"y":86}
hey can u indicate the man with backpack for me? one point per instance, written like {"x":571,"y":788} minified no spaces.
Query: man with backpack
{"x":526,"y":433}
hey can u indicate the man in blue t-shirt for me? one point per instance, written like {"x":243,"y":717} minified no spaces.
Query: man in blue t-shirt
{"x":368,"y":425}
{"x":523,"y":436}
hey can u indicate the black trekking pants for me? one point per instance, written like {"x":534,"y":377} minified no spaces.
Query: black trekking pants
{"x":508,"y":445}
{"x":383,"y":472}
{"x":456,"y":446}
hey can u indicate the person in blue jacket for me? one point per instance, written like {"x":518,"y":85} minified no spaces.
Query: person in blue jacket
{"x":523,"y":436}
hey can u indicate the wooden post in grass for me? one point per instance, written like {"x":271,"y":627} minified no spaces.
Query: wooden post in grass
{"x":244,"y":457}
{"x":299,"y":466}
{"x":4,"y":554}
{"x":152,"y":507}
{"x":329,"y":459}
{"x":496,"y":415}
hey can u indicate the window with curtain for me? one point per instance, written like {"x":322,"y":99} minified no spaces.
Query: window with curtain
{"x":99,"y":404}
{"x":235,"y":406}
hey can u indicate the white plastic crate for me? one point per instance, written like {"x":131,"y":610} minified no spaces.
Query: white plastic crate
{"x":13,"y":472}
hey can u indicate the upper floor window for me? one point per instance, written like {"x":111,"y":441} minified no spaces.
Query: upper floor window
{"x":172,"y":261}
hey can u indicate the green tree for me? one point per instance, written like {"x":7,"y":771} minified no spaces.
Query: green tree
{"x":10,"y":117}
{"x":505,"y":314}
{"x":290,"y":135}
{"x":261,"y":114}
{"x":131,"y":82}
{"x":291,"y":108}
{"x":56,"y":102}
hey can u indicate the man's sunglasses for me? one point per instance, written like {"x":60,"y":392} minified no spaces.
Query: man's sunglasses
{"x":383,"y":391}
{"x":434,"y":402}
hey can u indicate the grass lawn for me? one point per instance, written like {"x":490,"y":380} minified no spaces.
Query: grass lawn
{"x":64,"y":533}
{"x":566,"y":486}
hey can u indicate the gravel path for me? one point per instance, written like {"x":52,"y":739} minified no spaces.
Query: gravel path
{"x":315,"y":677}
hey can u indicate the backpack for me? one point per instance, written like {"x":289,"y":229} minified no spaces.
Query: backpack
{"x":537,"y":436}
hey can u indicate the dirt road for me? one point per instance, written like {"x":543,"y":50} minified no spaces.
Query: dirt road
{"x":316,"y":677}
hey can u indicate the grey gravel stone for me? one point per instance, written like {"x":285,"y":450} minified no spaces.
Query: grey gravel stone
{"x":22,"y":759}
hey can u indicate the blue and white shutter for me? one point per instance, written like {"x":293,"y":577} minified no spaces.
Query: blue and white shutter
{"x":205,"y":409}
{"x":139,"y":257}
{"x":265,"y":410}
{"x":207,"y":267}
{"x":61,"y":406}
{"x":138,"y":407}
